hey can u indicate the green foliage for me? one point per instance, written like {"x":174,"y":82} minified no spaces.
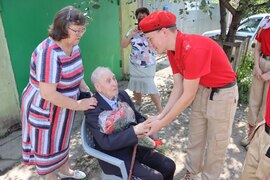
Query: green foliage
{"x":244,"y":78}
{"x":88,"y":7}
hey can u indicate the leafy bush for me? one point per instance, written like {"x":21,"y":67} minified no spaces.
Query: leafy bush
{"x":244,"y":78}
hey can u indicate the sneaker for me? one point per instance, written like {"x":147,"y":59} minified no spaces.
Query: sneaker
{"x":76,"y":175}
{"x":245,"y":141}
{"x":189,"y":176}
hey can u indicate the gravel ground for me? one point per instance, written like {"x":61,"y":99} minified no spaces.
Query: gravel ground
{"x":176,"y":133}
{"x":175,"y":136}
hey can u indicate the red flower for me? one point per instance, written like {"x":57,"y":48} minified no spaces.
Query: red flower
{"x":109,"y":126}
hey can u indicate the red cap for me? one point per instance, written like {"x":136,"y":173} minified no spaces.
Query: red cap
{"x":157,"y":20}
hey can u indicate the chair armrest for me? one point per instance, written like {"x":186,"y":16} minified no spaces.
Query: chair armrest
{"x":100,"y":155}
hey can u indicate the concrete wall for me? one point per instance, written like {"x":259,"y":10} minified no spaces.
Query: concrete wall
{"x":196,"y":22}
{"x":126,"y":22}
{"x":9,"y":103}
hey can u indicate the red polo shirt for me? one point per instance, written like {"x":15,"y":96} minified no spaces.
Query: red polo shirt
{"x":267,"y":109}
{"x":200,"y":57}
{"x":264,"y":38}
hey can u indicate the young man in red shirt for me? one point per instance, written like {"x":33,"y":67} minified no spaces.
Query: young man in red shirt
{"x":204,"y":78}
{"x":257,"y":163}
{"x":260,"y":80}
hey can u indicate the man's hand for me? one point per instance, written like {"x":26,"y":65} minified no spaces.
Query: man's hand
{"x":153,"y":124}
{"x":265,"y":76}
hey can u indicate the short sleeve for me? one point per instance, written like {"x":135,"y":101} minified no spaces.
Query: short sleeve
{"x":48,"y":66}
{"x":197,"y":63}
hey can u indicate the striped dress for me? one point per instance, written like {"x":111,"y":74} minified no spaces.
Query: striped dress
{"x":46,"y":128}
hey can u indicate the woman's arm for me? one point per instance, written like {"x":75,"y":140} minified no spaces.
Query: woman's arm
{"x":126,"y":40}
{"x":49,"y":93}
{"x":84,"y":87}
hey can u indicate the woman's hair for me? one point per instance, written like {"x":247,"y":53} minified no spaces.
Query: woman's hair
{"x":64,"y":18}
{"x":142,"y":10}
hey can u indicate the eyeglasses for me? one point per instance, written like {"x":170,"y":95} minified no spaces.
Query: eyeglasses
{"x":78,"y":32}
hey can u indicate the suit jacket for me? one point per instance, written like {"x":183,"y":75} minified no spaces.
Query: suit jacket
{"x":119,"y":145}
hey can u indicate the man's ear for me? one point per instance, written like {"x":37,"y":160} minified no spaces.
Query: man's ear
{"x":97,"y":87}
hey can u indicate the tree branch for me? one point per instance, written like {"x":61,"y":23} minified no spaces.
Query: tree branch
{"x":257,"y":6}
{"x":228,"y":6}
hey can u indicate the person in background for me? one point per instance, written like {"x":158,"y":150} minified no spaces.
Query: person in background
{"x":149,"y":164}
{"x":142,"y":64}
{"x":204,"y":79}
{"x":49,"y":100}
{"x":260,"y":80}
{"x":257,"y":162}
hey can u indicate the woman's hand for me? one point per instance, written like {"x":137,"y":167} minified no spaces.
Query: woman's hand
{"x":87,"y":103}
{"x":133,"y":31}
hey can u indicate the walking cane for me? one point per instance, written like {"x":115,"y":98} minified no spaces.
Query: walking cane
{"x":132,"y":161}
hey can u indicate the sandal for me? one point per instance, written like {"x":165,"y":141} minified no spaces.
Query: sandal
{"x":76,"y":175}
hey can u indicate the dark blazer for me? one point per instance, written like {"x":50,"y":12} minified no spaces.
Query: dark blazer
{"x":120,"y":144}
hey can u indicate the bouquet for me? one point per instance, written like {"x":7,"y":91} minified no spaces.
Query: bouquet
{"x":123,"y":117}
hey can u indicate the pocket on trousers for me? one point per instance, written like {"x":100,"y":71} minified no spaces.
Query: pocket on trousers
{"x":38,"y":117}
{"x":263,"y":167}
{"x":218,"y":109}
{"x":222,"y":141}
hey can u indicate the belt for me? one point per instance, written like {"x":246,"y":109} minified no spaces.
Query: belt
{"x":216,"y":89}
{"x":267,"y":58}
{"x":267,"y":129}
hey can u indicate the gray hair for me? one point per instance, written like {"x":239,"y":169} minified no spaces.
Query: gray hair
{"x":98,"y":72}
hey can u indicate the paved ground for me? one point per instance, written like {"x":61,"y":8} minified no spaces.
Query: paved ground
{"x":175,"y":135}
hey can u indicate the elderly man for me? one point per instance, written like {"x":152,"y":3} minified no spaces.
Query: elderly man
{"x":147,"y":164}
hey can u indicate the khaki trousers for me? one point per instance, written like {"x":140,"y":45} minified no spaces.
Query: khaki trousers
{"x":210,"y":123}
{"x":257,"y":165}
{"x":257,"y":97}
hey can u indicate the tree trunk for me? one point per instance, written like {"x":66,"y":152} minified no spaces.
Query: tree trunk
{"x":223,"y":25}
{"x":232,"y":31}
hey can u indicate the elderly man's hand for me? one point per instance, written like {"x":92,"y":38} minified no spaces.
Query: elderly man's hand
{"x":153,"y":124}
{"x":140,"y":130}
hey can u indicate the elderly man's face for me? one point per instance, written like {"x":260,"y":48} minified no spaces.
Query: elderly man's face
{"x":107,"y":85}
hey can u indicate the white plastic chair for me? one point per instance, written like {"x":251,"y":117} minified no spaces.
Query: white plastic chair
{"x":88,"y":145}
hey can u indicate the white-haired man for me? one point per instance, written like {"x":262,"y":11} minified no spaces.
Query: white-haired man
{"x":147,"y":164}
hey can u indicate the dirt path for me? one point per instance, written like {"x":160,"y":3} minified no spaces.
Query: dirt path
{"x":175,"y":135}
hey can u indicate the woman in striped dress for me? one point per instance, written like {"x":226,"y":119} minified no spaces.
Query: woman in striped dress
{"x":49,"y":100}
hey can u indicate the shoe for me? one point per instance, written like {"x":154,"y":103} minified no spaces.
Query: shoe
{"x":246,"y":140}
{"x":76,"y":175}
{"x":189,"y":176}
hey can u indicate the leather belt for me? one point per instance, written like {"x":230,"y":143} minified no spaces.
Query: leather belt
{"x":267,"y":58}
{"x":216,"y":89}
{"x":267,"y":129}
